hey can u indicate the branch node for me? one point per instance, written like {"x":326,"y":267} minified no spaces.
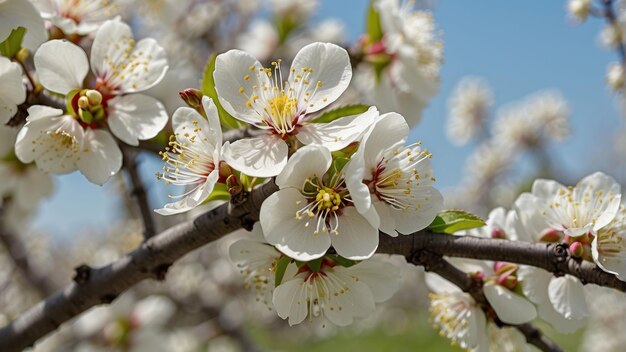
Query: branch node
{"x":246,"y":222}
{"x":161,"y":271}
{"x":108,"y":298}
{"x":82,"y":274}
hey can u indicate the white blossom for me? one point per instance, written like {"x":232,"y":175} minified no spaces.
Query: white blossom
{"x":335,"y":293}
{"x":193,"y":156}
{"x":579,"y":9}
{"x":80,"y":17}
{"x":12,"y":89}
{"x":390,"y":183}
{"x":412,"y":77}
{"x":468,"y":109}
{"x":21,"y":13}
{"x":313,"y":209}
{"x":283,"y":109}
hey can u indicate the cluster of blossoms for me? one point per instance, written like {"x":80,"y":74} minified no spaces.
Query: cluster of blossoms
{"x":403,"y":64}
{"x":588,"y":218}
{"x":340,"y":182}
{"x":528,"y":126}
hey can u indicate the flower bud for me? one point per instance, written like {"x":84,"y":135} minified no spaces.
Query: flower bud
{"x":233,"y":184}
{"x":498,"y":232}
{"x":22,"y":55}
{"x":83,"y":103}
{"x":95,"y":98}
{"x":576,"y":250}
{"x":193,"y":98}
{"x":85,"y":115}
{"x":550,"y":235}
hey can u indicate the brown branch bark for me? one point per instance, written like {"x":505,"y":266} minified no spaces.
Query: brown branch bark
{"x":435,"y":263}
{"x":93,"y":286}
{"x":138,"y":191}
{"x":19,"y":255}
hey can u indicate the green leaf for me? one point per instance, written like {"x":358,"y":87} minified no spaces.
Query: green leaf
{"x":334,"y":114}
{"x":373,"y":26}
{"x":208,"y":88}
{"x":451,"y":221}
{"x":281,"y":266}
{"x":12,"y":45}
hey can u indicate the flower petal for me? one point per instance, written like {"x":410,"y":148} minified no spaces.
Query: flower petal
{"x":340,"y":133}
{"x":122,"y":65}
{"x":20,"y":13}
{"x":567,"y":295}
{"x":213,"y":118}
{"x":61,"y":66}
{"x":382,"y":278}
{"x":308,"y":162}
{"x":511,"y":308}
{"x":263,"y":156}
{"x":289,"y":301}
{"x":606,"y":197}
{"x":535,"y":282}
{"x":100,"y":156}
{"x":12,"y":90}
{"x":331,"y":73}
{"x":357,"y":239}
{"x":565,"y":326}
{"x":232,"y":74}
{"x":192,"y":200}
{"x":292,"y":236}
{"x":136,"y":117}
{"x":390,"y":129}
{"x":429,"y":203}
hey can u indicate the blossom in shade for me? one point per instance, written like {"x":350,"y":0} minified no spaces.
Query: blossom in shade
{"x":193,"y":156}
{"x":390,"y":183}
{"x":256,"y":260}
{"x":335,"y":293}
{"x":313,"y":209}
{"x":319,"y":74}
{"x":80,"y":17}
{"x":12,"y":89}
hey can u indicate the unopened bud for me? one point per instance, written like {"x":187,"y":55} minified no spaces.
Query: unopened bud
{"x":550,"y":235}
{"x":233,"y":184}
{"x":95,"y":98}
{"x":224,"y":170}
{"x":193,"y":98}
{"x":508,"y":281}
{"x":83,"y":103}
{"x":576,"y":250}
{"x":498,"y":232}
{"x":85,"y":115}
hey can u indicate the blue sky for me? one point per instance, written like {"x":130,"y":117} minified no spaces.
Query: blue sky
{"x":518,"y":47}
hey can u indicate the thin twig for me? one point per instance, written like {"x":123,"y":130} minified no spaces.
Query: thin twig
{"x":19,"y":255}
{"x":139,"y":191}
{"x":435,"y":263}
{"x":609,"y":14}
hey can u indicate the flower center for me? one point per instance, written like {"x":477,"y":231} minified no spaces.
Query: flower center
{"x":324,"y":204}
{"x":188,"y":158}
{"x":396,"y":178}
{"x":280,"y":105}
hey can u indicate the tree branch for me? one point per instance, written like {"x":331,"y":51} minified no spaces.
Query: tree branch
{"x":93,"y":286}
{"x":551,"y":257}
{"x":19,"y":255}
{"x":139,"y":191}
{"x":611,"y":18}
{"x":435,"y":263}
